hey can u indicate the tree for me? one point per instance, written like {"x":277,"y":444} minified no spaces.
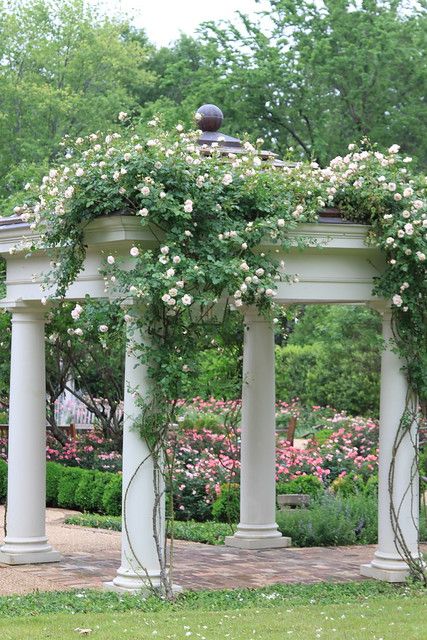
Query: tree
{"x":65,"y":71}
{"x":88,"y":363}
{"x":333,"y":357}
{"x":316,"y":75}
{"x":92,"y":358}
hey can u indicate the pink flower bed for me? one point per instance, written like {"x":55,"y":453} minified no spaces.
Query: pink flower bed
{"x":206,"y":457}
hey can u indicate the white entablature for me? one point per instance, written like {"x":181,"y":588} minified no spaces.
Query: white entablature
{"x":339,"y":268}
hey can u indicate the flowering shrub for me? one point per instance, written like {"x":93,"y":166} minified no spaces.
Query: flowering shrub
{"x":206,"y":459}
{"x":90,"y":451}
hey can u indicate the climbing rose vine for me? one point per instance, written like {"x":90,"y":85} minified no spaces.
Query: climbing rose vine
{"x":209,"y":213}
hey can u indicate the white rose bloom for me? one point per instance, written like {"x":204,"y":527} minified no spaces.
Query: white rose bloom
{"x":260,"y":272}
{"x":238,"y":303}
{"x":417,"y":204}
{"x":421,"y":256}
{"x":79,"y":172}
{"x":103,"y":328}
{"x":394,"y":148}
{"x":164,"y":250}
{"x":269,"y":292}
{"x":145,"y":191}
{"x":164,"y":259}
{"x":400,"y":233}
{"x":134,"y":252}
{"x":179,"y":284}
{"x":143,"y":212}
{"x":176,"y":259}
{"x":408,"y":192}
{"x":243,"y":287}
{"x":122,"y":116}
{"x":188,"y":233}
{"x":173,"y":292}
{"x":166,"y":297}
{"x":186,"y":300}
{"x":244,"y":266}
{"x":68,"y":193}
{"x":409,"y":229}
{"x":280,"y":222}
{"x":78,"y":331}
{"x":244,"y":245}
{"x":227,"y":179}
{"x":389,"y":240}
{"x":397,"y":197}
{"x":397,"y":300}
{"x":406,"y":214}
{"x":391,"y":186}
{"x":237,"y":294}
{"x":188,"y":206}
{"x":111,"y":260}
{"x":170,"y":273}
{"x":127,"y":318}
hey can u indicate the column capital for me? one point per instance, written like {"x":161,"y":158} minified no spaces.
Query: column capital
{"x":381,"y":306}
{"x":252,"y":314}
{"x":30,"y":307}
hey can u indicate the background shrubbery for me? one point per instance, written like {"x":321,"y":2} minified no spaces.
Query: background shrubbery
{"x":83,"y":489}
{"x":329,"y":356}
{"x":331,"y":521}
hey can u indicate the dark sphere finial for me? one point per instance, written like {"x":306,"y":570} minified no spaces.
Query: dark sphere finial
{"x":209,"y":117}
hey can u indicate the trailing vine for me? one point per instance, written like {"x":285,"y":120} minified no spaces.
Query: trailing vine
{"x":208,"y":214}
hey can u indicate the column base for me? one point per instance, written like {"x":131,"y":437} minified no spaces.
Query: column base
{"x":257,"y":543}
{"x":28,"y":551}
{"x":386,"y":575}
{"x":387,"y":567}
{"x":255,"y":536}
{"x":127,"y":581}
{"x":29,"y":558}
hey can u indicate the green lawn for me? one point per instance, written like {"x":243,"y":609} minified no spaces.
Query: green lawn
{"x":385,"y":618}
{"x":353,"y":611}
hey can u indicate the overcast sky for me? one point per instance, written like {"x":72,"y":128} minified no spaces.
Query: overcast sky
{"x":163,"y":20}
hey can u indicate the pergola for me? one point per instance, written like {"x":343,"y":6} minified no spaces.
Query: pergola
{"x":338,"y":267}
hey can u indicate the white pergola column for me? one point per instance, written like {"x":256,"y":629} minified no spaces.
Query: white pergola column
{"x":140,"y":566}
{"x":257,"y":528}
{"x":388,"y":563}
{"x":26,"y":541}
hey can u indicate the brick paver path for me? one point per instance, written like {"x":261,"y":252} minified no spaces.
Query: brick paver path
{"x":92,"y":556}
